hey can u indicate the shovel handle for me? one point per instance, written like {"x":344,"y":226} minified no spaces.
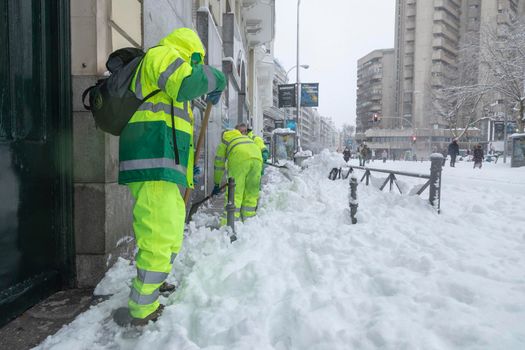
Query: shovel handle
{"x":200,"y":142}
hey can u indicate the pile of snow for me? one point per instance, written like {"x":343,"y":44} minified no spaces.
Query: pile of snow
{"x":283,"y":131}
{"x":301,"y":276}
{"x":305,"y":153}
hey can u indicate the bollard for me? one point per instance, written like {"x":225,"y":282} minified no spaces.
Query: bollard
{"x":436,"y":168}
{"x":353,"y":199}
{"x":230,"y":208}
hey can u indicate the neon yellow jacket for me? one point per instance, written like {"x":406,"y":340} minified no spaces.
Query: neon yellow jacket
{"x":234,"y":148}
{"x":147,"y":151}
{"x":258,"y":140}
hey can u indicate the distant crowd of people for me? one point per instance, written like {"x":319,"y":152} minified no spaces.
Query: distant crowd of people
{"x":365,"y":154}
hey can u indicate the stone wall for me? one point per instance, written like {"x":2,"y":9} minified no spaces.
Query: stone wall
{"x":102,"y":208}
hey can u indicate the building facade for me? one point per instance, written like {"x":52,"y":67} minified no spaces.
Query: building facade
{"x":275,"y":117}
{"x":375,"y":89}
{"x":428,"y":35}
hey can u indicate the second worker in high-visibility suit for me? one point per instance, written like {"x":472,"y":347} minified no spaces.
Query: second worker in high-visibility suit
{"x":156,"y":157}
{"x":241,"y":157}
{"x":260,"y":143}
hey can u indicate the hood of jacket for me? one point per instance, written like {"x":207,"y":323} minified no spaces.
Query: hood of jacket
{"x":185,"y":41}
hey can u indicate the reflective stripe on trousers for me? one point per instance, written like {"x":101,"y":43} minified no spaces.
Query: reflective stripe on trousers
{"x":158,"y":222}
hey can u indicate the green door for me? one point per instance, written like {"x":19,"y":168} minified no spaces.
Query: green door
{"x":35,"y":153}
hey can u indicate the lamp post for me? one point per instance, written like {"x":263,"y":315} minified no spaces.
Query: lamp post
{"x":504,"y":130}
{"x":304,"y":66}
{"x":298,"y":91}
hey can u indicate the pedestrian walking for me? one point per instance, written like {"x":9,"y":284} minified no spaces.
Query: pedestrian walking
{"x":384,"y":155}
{"x":156,"y":156}
{"x":453,"y":151}
{"x":365,"y":151}
{"x":478,"y":156}
{"x":243,"y":159}
{"x":346,"y":154}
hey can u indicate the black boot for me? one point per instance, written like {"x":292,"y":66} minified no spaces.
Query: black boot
{"x":166,"y":288}
{"x":123,"y":318}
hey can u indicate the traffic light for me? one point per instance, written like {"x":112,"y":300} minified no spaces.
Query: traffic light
{"x":414,"y":138}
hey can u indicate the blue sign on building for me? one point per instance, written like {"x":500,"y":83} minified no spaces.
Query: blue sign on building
{"x":291,"y":124}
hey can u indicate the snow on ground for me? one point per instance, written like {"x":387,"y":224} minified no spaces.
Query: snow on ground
{"x":302,"y":277}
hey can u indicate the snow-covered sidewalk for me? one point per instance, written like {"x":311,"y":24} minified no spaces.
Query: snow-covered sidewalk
{"x":301,"y":276}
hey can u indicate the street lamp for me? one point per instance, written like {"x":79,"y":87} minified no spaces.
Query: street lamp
{"x":505,"y":120}
{"x":305,"y":66}
{"x":298,"y":92}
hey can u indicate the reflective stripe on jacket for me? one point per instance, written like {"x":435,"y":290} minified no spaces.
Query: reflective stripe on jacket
{"x":234,"y":147}
{"x":146,"y":150}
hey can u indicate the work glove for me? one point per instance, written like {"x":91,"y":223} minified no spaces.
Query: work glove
{"x":265,"y":155}
{"x":214,"y":97}
{"x":216,"y":190}
{"x":196,"y":173}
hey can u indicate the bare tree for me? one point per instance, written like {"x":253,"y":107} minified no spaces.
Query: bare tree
{"x":491,"y":62}
{"x":457,"y":99}
{"x":502,"y":55}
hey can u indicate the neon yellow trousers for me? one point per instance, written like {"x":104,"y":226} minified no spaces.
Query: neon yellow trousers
{"x":158,"y":221}
{"x":247,"y":175}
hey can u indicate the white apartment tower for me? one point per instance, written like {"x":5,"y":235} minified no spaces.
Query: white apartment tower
{"x":375,"y":89}
{"x":428,"y":34}
{"x":427,"y":39}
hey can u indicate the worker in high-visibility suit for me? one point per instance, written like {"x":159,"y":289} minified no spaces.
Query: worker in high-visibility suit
{"x":260,"y":143}
{"x":242,"y":158}
{"x":156,"y":156}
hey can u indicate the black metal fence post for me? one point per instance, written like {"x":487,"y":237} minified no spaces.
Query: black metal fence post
{"x":230,"y":207}
{"x":353,"y":199}
{"x":436,"y":168}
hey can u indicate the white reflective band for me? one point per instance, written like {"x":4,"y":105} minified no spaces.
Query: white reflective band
{"x":237,"y":144}
{"x":151,"y":277}
{"x":163,"y":79}
{"x":152,"y":163}
{"x":220,"y":159}
{"x":248,"y":208}
{"x":166,"y":108}
{"x":212,"y":82}
{"x":143,"y":299}
{"x":220,"y":168}
{"x":227,"y":143}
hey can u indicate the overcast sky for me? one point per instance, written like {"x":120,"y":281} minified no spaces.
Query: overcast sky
{"x":334,"y":35}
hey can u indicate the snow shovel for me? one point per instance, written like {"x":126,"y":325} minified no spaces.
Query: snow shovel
{"x":200,"y":142}
{"x":277,"y":166}
{"x":195,"y":206}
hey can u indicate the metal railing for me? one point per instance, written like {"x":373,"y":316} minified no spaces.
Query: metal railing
{"x":433,"y":183}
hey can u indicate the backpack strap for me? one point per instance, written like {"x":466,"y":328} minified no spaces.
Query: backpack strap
{"x":175,"y":147}
{"x":150,"y":95}
{"x":84,"y":94}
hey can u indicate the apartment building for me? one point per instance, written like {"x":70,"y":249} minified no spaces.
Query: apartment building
{"x":57,"y":164}
{"x":275,"y":117}
{"x":308,"y":128}
{"x":427,"y":40}
{"x":375,"y":90}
